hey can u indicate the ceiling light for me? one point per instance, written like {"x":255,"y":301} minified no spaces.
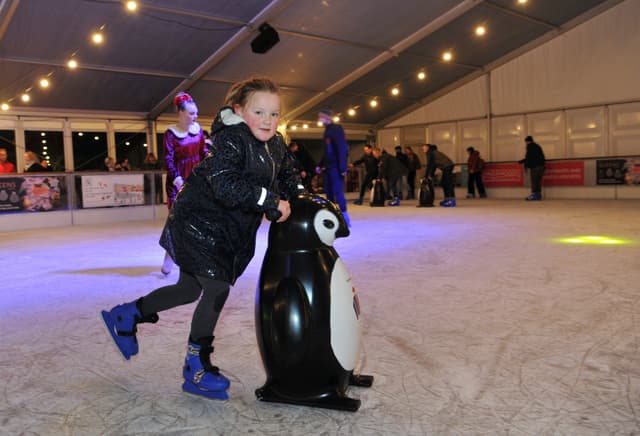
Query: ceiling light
{"x":97,"y":38}
{"x":44,"y":147}
{"x":144,"y":145}
{"x":351,"y":112}
{"x":44,"y":152}
{"x":44,"y":83}
{"x":447,"y":56}
{"x":4,"y":107}
{"x":422,"y":75}
{"x":25,"y":97}
{"x":319,"y":123}
{"x":294,"y":127}
{"x":80,"y":134}
{"x":72,"y":63}
{"x":336,"y":119}
{"x":395,"y":90}
{"x":305,"y":126}
{"x":132,"y":6}
{"x":373,"y":103}
{"x":96,"y":137}
{"x":127,"y":143}
{"x":522,"y":2}
{"x":44,"y":141}
{"x":481,"y":30}
{"x":43,"y":134}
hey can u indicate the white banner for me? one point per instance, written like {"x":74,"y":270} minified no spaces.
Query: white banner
{"x":112,"y":190}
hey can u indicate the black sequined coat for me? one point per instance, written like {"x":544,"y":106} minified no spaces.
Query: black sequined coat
{"x":211,"y":228}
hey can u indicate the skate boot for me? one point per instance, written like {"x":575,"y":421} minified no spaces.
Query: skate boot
{"x":167,"y":265}
{"x":358,"y":201}
{"x":121,"y":322}
{"x":200,"y":377}
{"x":535,"y":196}
{"x":395,"y":202}
{"x":471,"y":195}
{"x":448,"y":202}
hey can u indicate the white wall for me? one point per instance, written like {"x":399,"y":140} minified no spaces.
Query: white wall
{"x":468,"y":101}
{"x":593,"y":64}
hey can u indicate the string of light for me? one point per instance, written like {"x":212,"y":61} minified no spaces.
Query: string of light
{"x":395,"y":90}
{"x":97,"y":38}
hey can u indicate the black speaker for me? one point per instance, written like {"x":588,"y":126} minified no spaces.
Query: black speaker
{"x":267,"y":38}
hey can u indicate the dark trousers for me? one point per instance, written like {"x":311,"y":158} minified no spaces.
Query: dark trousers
{"x":334,"y":187}
{"x":395,"y":186}
{"x":447,"y":182}
{"x":187,"y":290}
{"x":366,"y":184}
{"x":411,"y":181}
{"x":475,"y":180}
{"x":536,"y":179}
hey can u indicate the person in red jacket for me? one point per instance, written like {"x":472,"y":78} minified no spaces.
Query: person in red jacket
{"x":5,"y":165}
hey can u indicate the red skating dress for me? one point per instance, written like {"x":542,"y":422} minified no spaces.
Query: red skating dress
{"x":182,"y":151}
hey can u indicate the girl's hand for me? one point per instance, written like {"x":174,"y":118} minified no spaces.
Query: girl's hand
{"x":285,"y":209}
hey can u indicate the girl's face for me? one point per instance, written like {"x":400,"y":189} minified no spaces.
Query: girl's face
{"x":261,"y":113}
{"x":188,"y":115}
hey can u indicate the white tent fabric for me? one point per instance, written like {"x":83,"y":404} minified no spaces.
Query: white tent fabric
{"x":593,"y":64}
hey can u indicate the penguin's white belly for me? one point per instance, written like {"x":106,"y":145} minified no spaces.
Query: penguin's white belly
{"x":345,"y":323}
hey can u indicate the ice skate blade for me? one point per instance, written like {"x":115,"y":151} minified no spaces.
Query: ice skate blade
{"x":110,"y":326}
{"x":190,"y":388}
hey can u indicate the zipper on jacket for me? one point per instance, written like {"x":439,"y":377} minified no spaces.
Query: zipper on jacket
{"x":273,"y":164}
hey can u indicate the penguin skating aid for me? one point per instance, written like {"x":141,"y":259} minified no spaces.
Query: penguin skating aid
{"x":307,"y":311}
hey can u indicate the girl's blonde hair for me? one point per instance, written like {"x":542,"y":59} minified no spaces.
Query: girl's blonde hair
{"x":240,"y":92}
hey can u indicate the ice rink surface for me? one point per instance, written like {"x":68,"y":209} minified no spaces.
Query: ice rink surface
{"x":477,"y":320}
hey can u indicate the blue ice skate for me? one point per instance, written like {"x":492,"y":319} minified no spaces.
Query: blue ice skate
{"x":121,"y":322}
{"x":200,"y":377}
{"x":448,"y":202}
{"x":535,"y":196}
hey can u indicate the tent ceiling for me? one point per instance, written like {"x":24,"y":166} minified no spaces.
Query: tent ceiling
{"x":332,"y":53}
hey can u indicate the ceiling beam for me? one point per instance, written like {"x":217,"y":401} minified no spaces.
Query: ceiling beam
{"x":388,"y":54}
{"x":7,"y":9}
{"x":520,"y":15}
{"x":93,"y":67}
{"x":241,"y":37}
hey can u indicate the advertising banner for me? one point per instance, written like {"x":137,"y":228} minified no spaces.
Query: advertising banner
{"x":112,"y":190}
{"x":569,"y":173}
{"x":32,"y":193}
{"x":503,"y":175}
{"x":618,"y":171}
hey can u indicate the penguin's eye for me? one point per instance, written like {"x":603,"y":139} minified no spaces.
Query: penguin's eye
{"x":328,"y":224}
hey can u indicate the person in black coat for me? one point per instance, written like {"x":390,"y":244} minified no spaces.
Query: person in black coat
{"x":534,"y":160}
{"x":392,"y":170}
{"x":210,"y":232}
{"x":438,"y":160}
{"x":370,"y":170}
{"x":32,"y":163}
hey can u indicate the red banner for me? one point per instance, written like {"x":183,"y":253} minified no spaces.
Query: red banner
{"x":569,"y":173}
{"x":503,"y":175}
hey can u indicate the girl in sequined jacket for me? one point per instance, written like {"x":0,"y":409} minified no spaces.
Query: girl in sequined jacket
{"x":211,"y":229}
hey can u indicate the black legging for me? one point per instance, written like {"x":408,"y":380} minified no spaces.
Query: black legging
{"x":185,"y":291}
